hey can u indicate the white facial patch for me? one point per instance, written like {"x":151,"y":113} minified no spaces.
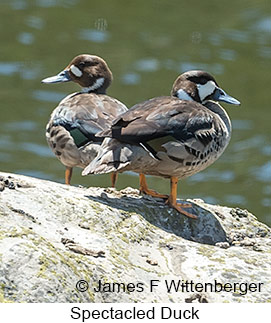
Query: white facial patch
{"x":97,"y":84}
{"x":75,"y":71}
{"x":182,"y":95}
{"x":206,"y":89}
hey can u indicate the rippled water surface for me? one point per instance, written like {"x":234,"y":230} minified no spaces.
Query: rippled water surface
{"x":146,"y":44}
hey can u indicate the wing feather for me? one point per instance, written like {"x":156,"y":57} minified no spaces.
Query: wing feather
{"x":87,"y":113}
{"x":163,"y":116}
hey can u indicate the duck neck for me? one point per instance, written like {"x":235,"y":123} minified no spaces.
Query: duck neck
{"x":217,"y":108}
{"x":98,"y":87}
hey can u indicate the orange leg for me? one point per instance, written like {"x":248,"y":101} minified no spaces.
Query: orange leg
{"x":143,"y":188}
{"x":68,"y":175}
{"x":172,"y":200}
{"x":114,"y":177}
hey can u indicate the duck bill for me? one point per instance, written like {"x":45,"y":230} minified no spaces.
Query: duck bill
{"x":61,"y":77}
{"x":221,"y":95}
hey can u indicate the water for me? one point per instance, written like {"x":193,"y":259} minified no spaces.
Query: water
{"x":146,"y":44}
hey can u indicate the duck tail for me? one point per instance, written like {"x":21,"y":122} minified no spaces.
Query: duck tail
{"x":113,"y":157}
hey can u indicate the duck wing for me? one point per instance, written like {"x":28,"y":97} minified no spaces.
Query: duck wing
{"x":161,"y":117}
{"x":85,"y":114}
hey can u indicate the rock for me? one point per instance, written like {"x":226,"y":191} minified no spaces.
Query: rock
{"x":58,"y":242}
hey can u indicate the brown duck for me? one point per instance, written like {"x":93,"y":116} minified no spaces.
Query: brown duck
{"x":74,"y":123}
{"x":171,"y":137}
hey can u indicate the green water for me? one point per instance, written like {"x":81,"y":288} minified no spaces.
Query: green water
{"x":146,"y":44}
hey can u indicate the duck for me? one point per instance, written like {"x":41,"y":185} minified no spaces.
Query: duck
{"x":172,"y":137}
{"x":76,"y":120}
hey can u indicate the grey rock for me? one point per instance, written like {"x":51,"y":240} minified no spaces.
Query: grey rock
{"x":53,"y":235}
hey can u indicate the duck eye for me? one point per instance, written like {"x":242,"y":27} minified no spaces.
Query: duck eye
{"x":82,"y":64}
{"x":203,"y":80}
{"x":198,"y":80}
{"x":87,"y":63}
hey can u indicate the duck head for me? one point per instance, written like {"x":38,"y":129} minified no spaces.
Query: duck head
{"x":200,"y":86}
{"x":89,"y":71}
